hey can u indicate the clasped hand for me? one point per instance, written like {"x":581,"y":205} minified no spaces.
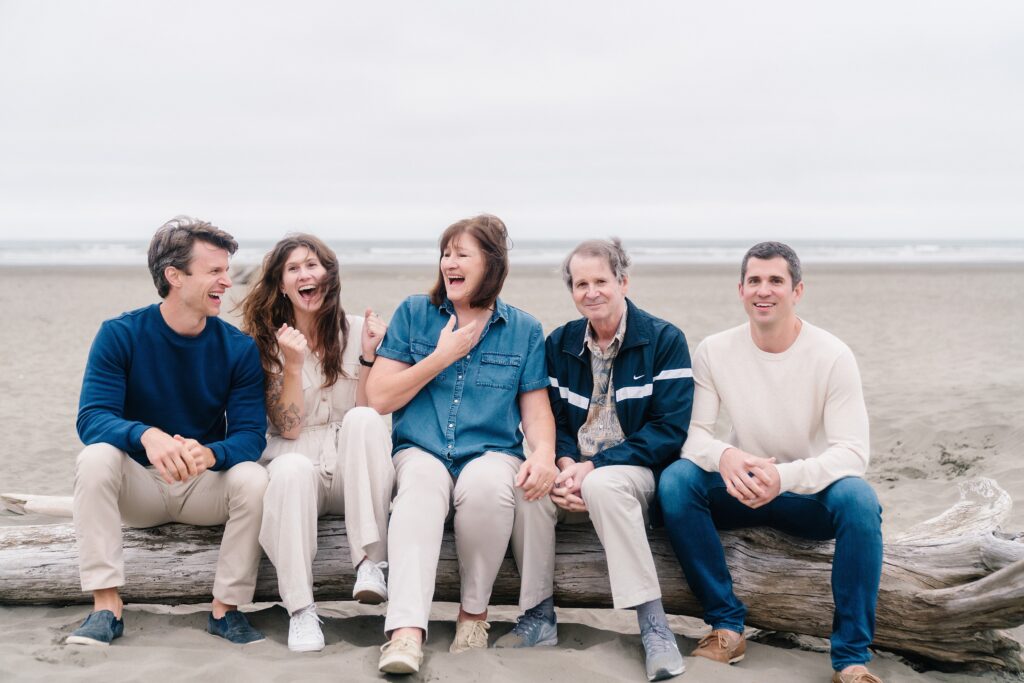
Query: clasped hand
{"x":752,"y":480}
{"x":567,"y":493}
{"x":536,"y":475}
{"x":176,"y":458}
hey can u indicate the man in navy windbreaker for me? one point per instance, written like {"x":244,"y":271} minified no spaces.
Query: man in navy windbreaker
{"x":621,"y":392}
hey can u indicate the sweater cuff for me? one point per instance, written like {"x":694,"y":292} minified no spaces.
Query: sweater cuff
{"x":135,"y":436}
{"x":787,"y":476}
{"x":218,"y":456}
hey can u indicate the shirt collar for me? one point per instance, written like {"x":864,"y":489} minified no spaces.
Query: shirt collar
{"x":500,"y":309}
{"x":590,"y":340}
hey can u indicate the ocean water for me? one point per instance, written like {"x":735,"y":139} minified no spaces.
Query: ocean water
{"x":535,"y":252}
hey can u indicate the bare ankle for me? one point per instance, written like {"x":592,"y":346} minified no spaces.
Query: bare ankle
{"x":107,"y":599}
{"x":408,"y":632}
{"x":469,"y":616}
{"x":219,"y":608}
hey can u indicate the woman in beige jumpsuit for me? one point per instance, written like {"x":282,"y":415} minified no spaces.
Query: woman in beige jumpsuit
{"x":326,"y":452}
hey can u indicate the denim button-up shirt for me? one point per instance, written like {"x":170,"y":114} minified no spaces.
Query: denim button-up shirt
{"x":472,"y":406}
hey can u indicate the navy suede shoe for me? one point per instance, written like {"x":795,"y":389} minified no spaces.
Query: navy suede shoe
{"x":99,"y":628}
{"x":234,"y":627}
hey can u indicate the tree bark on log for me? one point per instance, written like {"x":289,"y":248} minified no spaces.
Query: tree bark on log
{"x":948,"y":584}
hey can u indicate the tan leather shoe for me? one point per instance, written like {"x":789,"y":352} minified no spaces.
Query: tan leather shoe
{"x":469,"y":634}
{"x":862,"y":675}
{"x":722,"y":646}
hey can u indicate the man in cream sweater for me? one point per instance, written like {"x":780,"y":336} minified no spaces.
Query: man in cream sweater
{"x":794,"y":460}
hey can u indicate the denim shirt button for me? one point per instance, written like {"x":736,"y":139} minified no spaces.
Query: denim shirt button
{"x":456,"y":400}
{"x":450,"y":426}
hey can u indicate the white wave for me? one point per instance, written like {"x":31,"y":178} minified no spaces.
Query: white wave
{"x":91,"y":253}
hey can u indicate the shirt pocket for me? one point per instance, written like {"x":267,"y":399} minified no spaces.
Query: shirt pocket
{"x":420,"y":350}
{"x":499,"y":370}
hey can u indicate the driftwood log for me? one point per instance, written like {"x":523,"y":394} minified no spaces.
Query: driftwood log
{"x":948,"y":585}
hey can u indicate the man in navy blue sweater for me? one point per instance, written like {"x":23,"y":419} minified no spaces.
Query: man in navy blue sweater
{"x":173,"y":419}
{"x":621,"y":391}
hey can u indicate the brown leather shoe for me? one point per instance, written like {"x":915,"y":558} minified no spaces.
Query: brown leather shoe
{"x":864,"y":676}
{"x":721,"y":645}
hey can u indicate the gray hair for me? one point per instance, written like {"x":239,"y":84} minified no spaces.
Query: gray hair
{"x":610,"y":250}
{"x":172,"y":246}
{"x":770,"y":250}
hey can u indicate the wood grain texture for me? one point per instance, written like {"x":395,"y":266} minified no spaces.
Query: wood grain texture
{"x":948,"y":585}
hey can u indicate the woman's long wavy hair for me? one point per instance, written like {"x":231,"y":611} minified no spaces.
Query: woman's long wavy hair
{"x":265,"y":308}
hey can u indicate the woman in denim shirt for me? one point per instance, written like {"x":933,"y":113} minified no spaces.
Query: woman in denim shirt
{"x":460,"y":370}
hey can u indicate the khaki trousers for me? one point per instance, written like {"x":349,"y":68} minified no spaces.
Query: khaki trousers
{"x":357,"y":484}
{"x":484,"y":498}
{"x":617,"y":498}
{"x":111,"y":488}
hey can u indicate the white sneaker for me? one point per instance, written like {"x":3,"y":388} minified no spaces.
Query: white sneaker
{"x":370,"y":587}
{"x":304,"y":634}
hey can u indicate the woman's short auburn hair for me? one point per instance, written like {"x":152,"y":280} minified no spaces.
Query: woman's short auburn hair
{"x":492,"y":236}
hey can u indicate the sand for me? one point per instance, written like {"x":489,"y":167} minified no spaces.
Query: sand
{"x":941,"y":352}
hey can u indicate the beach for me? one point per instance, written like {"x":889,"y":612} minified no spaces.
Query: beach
{"x":940,"y":349}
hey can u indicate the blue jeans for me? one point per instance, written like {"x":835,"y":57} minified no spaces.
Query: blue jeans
{"x":695,"y":504}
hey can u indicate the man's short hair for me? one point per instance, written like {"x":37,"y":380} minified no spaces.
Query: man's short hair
{"x":769,"y":250}
{"x":172,"y":246}
{"x":610,"y":250}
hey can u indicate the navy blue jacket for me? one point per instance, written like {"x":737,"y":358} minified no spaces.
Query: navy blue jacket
{"x":653,"y":390}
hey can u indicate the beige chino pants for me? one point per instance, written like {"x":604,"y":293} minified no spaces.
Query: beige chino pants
{"x":358,"y":484}
{"x":111,"y":489}
{"x":617,"y":498}
{"x":484,"y":497}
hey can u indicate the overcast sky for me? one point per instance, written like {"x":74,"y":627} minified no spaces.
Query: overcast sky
{"x":691,"y":120}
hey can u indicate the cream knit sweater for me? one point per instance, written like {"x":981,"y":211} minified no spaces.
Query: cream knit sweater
{"x":804,"y":406}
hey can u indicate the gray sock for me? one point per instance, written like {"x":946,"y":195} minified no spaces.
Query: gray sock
{"x":546,"y":607}
{"x":652,"y":611}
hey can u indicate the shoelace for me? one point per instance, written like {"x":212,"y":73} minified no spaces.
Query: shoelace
{"x":714,"y":635}
{"x":865,"y":678}
{"x":529,"y":622}
{"x":400,"y":644}
{"x":306,"y":624}
{"x":375,"y":568}
{"x":477,"y":636}
{"x":656,"y":637}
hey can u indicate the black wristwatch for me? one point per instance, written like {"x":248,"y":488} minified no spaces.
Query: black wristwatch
{"x":366,"y":363}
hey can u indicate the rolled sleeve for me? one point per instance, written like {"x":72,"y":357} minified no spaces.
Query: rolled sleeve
{"x":397,"y":340}
{"x":535,"y":371}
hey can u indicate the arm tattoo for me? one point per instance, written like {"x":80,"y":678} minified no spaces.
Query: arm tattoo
{"x":285,"y":418}
{"x":275,"y":385}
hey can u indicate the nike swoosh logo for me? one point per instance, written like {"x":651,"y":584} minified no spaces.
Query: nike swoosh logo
{"x":639,"y":376}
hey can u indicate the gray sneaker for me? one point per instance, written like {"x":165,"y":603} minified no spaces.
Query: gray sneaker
{"x":531,"y":630}
{"x":662,"y":654}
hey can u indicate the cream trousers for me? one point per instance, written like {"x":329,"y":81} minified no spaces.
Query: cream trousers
{"x":484,"y":498}
{"x":111,"y":488}
{"x":617,"y":498}
{"x":354,"y":477}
